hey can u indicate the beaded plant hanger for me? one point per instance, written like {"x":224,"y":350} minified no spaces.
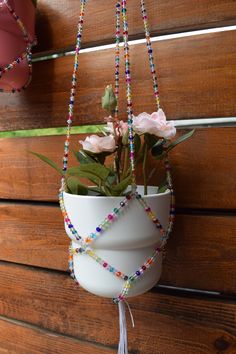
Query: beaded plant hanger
{"x":86,"y":246}
{"x":25,"y":55}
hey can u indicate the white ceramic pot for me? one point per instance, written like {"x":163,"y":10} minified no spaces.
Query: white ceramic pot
{"x":126,"y":245}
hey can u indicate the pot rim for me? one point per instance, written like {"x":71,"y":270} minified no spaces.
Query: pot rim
{"x":152,"y":195}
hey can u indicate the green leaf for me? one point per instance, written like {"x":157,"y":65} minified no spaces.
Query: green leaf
{"x":158,"y":149}
{"x":83,"y":157}
{"x":162,"y":187}
{"x":121,"y":187}
{"x":76,"y":172}
{"x":48,"y":161}
{"x":101,"y":158}
{"x":93,"y":157}
{"x":150,"y":140}
{"x":93,"y":171}
{"x":180,"y":140}
{"x":75,"y":187}
{"x":137,"y":143}
{"x":96,"y":169}
{"x":96,"y":190}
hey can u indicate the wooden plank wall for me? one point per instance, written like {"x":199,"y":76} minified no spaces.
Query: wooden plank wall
{"x":41,"y":310}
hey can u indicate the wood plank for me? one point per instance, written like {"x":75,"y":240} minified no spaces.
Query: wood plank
{"x":206,"y":91}
{"x":200,"y":169}
{"x":165,"y":16}
{"x":33,"y":340}
{"x":200,"y":257}
{"x":163,"y":323}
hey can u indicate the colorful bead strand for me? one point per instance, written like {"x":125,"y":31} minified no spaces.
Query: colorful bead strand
{"x":136,"y":275}
{"x":129,"y":92}
{"x":150,"y":53}
{"x":117,"y":57}
{"x":72,"y":92}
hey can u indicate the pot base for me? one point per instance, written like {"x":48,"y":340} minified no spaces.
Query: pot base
{"x":98,"y":281}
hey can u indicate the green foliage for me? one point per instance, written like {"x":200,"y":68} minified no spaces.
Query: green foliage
{"x":150,"y":140}
{"x":180,"y":139}
{"x":158,"y":149}
{"x":95,"y":169}
{"x":120,"y":188}
{"x":48,"y":161}
{"x":162,"y":187}
{"x":75,"y":187}
{"x":162,"y":147}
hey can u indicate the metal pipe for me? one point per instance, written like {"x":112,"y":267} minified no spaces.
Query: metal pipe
{"x":205,"y":123}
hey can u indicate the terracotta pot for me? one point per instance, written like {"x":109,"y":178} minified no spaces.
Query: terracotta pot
{"x":12,"y":44}
{"x":126,"y":245}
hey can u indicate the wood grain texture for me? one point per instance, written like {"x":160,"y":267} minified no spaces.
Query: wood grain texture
{"x":164,"y":324}
{"x":201,"y":253}
{"x":165,"y":16}
{"x":197,"y":78}
{"x":204,"y":169}
{"x":32,"y":340}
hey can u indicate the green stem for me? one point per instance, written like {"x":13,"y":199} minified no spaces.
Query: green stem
{"x":145,"y":147}
{"x":126,"y":155}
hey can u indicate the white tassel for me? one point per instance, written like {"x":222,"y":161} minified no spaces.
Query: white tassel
{"x":123,"y":344}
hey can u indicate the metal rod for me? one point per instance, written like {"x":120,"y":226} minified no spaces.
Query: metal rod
{"x":205,"y":123}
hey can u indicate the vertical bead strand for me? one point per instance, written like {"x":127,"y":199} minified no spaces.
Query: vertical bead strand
{"x":172,"y":203}
{"x":72,"y":93}
{"x":117,"y":58}
{"x":150,"y":53}
{"x":129,"y":92}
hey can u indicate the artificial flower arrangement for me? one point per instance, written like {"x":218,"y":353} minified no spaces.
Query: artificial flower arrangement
{"x":118,"y":230}
{"x":103,"y":159}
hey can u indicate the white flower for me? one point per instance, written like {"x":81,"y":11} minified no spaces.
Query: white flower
{"x":155,"y":124}
{"x":97,"y":144}
{"x":121,"y":129}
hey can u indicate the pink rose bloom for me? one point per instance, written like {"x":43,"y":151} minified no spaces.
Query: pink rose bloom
{"x":155,"y":124}
{"x":97,"y":144}
{"x":122,"y":130}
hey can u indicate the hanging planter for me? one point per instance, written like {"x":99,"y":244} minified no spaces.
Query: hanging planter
{"x":126,"y":240}
{"x":17,"y":36}
{"x":118,"y":230}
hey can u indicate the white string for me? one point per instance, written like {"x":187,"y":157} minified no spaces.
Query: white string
{"x":130,"y":313}
{"x":123,"y":344}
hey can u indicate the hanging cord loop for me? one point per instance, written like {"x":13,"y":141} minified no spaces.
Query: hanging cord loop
{"x":129,"y":92}
{"x":150,"y":53}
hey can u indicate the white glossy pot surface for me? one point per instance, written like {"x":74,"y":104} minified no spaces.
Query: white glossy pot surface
{"x":126,"y":245}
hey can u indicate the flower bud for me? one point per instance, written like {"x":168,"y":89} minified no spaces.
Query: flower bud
{"x":109,"y":101}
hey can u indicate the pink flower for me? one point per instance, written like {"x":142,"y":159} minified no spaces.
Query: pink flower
{"x":97,"y":144}
{"x":155,"y":124}
{"x":120,"y":130}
